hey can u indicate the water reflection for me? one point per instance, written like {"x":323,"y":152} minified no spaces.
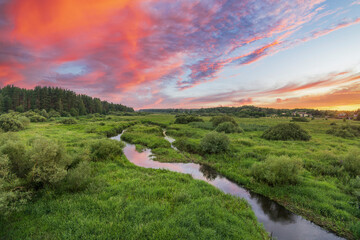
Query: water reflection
{"x":273,"y":210}
{"x":277,"y":220}
{"x":208,"y":172}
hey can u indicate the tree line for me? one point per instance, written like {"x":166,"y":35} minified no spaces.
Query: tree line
{"x":53,"y":98}
{"x":250,"y":111}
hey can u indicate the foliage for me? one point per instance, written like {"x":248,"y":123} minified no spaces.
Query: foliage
{"x":345,"y":131}
{"x":215,"y":143}
{"x":18,"y":158}
{"x":285,"y":132}
{"x":35,"y":117}
{"x":228,"y":127}
{"x":24,"y":121}
{"x":187,"y":145}
{"x":10,"y":122}
{"x":221,"y":119}
{"x":12,"y":196}
{"x":299,"y":119}
{"x":60,"y":100}
{"x":202,"y":125}
{"x":352,"y":162}
{"x":105,"y":149}
{"x":68,"y":121}
{"x":278,"y":170}
{"x":50,"y":163}
{"x":185,"y":119}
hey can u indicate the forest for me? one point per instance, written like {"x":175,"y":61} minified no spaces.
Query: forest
{"x":63,"y":101}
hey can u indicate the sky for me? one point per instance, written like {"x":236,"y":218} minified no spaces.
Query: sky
{"x":188,"y":53}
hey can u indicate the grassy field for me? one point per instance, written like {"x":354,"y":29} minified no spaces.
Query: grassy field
{"x":123,"y":201}
{"x":323,"y":194}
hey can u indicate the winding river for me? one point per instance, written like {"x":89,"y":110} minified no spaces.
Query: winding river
{"x":278,"y":221}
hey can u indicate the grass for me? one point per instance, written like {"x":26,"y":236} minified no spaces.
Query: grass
{"x":321,"y":195}
{"x":124,"y":201}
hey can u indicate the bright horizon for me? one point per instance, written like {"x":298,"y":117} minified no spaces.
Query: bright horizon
{"x":187,"y":54}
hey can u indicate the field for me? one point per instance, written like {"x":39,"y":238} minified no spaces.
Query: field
{"x":124,"y":201}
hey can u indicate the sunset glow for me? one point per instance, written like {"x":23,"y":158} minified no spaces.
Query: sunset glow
{"x":187,"y":54}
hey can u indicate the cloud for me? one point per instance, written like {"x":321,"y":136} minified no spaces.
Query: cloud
{"x":127,"y":45}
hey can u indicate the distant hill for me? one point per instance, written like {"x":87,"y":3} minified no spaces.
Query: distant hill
{"x":58,"y":99}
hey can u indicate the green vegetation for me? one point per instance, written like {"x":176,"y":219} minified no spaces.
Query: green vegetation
{"x":217,"y":120}
{"x":285,"y":132}
{"x":345,"y":131}
{"x":68,"y":121}
{"x":278,"y":170}
{"x":228,"y":127}
{"x":49,"y":99}
{"x":325,"y":191}
{"x":80,"y":185}
{"x":214,"y":143}
{"x":185,"y":119}
{"x":99,"y":190}
{"x":299,"y":119}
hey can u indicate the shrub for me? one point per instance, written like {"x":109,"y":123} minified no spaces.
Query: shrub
{"x":9,"y":122}
{"x":68,"y":121}
{"x":24,"y":121}
{"x":12,"y":196}
{"x":228,"y":127}
{"x":215,"y":143}
{"x":185,"y":119}
{"x":352,"y":162}
{"x":300,"y":119}
{"x":37,"y":118}
{"x":345,"y":131}
{"x":277,"y":170}
{"x":286,"y":131}
{"x":44,"y":113}
{"x":187,"y":144}
{"x":202,"y":125}
{"x":105,"y":149}
{"x":18,"y":158}
{"x":221,"y":119}
{"x":50,"y":163}
{"x":54,"y":114}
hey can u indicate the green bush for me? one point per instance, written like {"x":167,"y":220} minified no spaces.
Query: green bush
{"x":105,"y":149}
{"x":277,"y":170}
{"x":68,"y":121}
{"x":18,"y":157}
{"x":221,"y":119}
{"x":215,"y":143}
{"x":345,"y":131}
{"x":228,"y":127}
{"x":187,"y":145}
{"x":54,"y":114}
{"x":12,"y":195}
{"x":24,"y":121}
{"x":300,"y":119}
{"x":352,"y":162}
{"x":50,"y":163}
{"x":10,"y":122}
{"x":202,"y":125}
{"x":185,"y":119}
{"x":286,"y":131}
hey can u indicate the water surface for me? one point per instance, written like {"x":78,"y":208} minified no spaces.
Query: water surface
{"x":277,"y":220}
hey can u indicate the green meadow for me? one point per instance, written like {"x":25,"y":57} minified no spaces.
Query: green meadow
{"x":119,"y":200}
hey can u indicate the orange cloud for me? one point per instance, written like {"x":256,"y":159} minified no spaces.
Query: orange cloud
{"x":349,"y":96}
